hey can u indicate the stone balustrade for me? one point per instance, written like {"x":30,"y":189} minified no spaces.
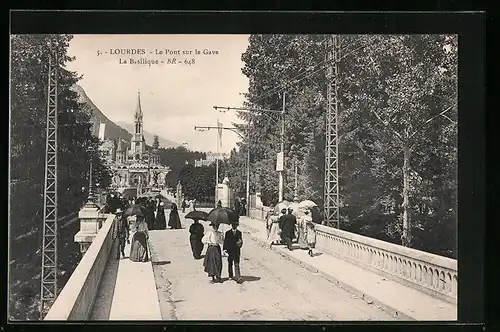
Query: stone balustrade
{"x":432,"y":274}
{"x":77,"y":297}
{"x":259,"y":213}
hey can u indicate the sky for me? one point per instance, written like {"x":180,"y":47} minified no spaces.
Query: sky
{"x":174,"y":97}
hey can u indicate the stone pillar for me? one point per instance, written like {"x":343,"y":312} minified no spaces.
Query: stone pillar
{"x":91,"y":221}
{"x":258,"y":201}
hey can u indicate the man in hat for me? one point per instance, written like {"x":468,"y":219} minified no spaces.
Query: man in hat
{"x":287,"y":225}
{"x":121,"y":232}
{"x":233,"y":242}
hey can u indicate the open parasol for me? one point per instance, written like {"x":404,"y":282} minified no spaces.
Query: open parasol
{"x":135,"y":210}
{"x":222,"y":215}
{"x":307,"y":204}
{"x":198,"y":215}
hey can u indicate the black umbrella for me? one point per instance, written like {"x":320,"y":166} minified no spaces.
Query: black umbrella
{"x":200,"y":215}
{"x":223,"y":215}
{"x":135,"y":210}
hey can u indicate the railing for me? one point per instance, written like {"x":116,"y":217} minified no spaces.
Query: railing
{"x":259,"y":213}
{"x":429,"y":273}
{"x":432,"y":274}
{"x":77,"y":297}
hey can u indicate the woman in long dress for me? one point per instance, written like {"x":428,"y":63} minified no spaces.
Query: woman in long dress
{"x":160,"y":221}
{"x":196,"y":232}
{"x":301,"y":227}
{"x":139,"y":246}
{"x":213,"y":257}
{"x":310,"y":232}
{"x":173,"y":220}
{"x":274,"y":230}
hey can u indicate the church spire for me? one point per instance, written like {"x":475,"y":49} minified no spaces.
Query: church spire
{"x":138,"y":110}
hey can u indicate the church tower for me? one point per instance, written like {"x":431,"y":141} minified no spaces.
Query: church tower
{"x":138,"y":145}
{"x":120,"y":152}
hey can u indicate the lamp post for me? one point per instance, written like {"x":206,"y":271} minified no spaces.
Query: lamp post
{"x":234,"y":130}
{"x":280,"y":157}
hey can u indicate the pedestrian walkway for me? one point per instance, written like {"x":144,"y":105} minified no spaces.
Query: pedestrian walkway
{"x":132,"y":289}
{"x":394,"y":297}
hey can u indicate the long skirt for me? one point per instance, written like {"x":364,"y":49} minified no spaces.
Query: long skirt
{"x":302,"y":241}
{"x":139,"y":248}
{"x":273,"y":233}
{"x":160,"y":221}
{"x":213,"y":261}
{"x":196,"y":246}
{"x":174,"y":221}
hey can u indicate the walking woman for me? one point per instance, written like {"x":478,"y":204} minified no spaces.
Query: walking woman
{"x":301,"y":227}
{"x":160,"y":221}
{"x":274,"y":230}
{"x":173,"y":220}
{"x":213,"y":258}
{"x":197,"y":231}
{"x":139,"y":246}
{"x":310,"y":230}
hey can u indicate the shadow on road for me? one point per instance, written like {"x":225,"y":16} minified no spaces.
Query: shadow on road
{"x":249,"y":278}
{"x":160,"y":263}
{"x":317,"y":254}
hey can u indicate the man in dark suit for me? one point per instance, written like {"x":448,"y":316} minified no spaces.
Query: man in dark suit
{"x":233,"y":242}
{"x":121,"y":232}
{"x":287,"y":225}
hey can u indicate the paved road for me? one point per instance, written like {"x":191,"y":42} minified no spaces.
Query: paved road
{"x":274,"y":288}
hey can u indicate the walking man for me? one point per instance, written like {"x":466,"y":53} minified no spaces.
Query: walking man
{"x":287,"y":224}
{"x":121,"y":232}
{"x":232,"y":246}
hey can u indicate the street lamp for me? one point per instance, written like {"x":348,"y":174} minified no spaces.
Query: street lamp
{"x":280,"y":156}
{"x":247,"y":138}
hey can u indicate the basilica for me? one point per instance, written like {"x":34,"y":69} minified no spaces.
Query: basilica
{"x":136,"y":167}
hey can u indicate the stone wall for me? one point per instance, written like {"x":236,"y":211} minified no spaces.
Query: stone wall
{"x":432,"y":274}
{"x":76,"y":299}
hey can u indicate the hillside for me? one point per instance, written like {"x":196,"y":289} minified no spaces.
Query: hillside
{"x":113,"y":131}
{"x":164,"y":143}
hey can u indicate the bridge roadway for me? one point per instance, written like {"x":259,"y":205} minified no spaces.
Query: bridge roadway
{"x":176,"y":288}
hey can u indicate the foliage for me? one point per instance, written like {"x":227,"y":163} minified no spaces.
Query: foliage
{"x":76,"y":146}
{"x":176,"y":159}
{"x":156,"y":143}
{"x":392,"y":91}
{"x":197,"y":182}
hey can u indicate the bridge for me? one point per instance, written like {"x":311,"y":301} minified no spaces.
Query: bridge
{"x":351,"y":277}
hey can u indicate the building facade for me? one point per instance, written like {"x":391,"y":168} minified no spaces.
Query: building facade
{"x":210,"y":159}
{"x":134,"y":166}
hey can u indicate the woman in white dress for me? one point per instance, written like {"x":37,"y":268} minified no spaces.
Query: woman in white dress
{"x":274,"y":230}
{"x":310,"y":230}
{"x":212,"y":264}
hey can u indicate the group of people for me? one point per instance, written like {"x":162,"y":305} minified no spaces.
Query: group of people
{"x":217,"y":243}
{"x":285,"y":228}
{"x":121,"y":232}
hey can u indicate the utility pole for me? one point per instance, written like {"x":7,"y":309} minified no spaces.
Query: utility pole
{"x":234,"y":130}
{"x":282,"y":145}
{"x":282,"y":112}
{"x":248,"y":169}
{"x":219,"y":130}
{"x":332,"y":198}
{"x":49,"y":246}
{"x":296,"y":180}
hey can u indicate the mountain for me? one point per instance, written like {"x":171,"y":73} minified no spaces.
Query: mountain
{"x":164,"y":143}
{"x":113,"y":131}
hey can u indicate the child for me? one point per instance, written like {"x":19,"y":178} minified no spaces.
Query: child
{"x":310,"y":231}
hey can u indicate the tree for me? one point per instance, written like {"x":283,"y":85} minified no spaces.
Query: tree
{"x":156,"y":142}
{"x":29,"y":59}
{"x":388,"y":84}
